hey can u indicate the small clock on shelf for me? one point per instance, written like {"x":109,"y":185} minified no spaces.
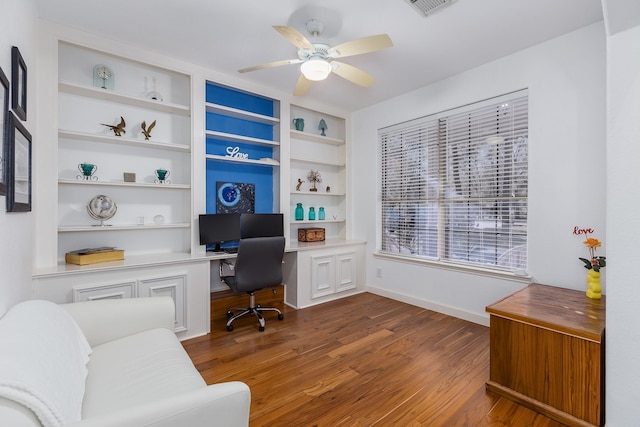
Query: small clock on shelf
{"x":103,"y":77}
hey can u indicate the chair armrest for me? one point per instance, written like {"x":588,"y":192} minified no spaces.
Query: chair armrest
{"x":106,"y":320}
{"x":224,"y":404}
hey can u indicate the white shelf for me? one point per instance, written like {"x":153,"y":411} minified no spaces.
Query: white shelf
{"x":318,"y":193}
{"x":108,"y":95}
{"x":272,"y":163}
{"x":324,"y":221}
{"x":124,"y":184}
{"x":230,"y":137}
{"x":85,"y":228}
{"x":318,"y":162}
{"x":82,"y":136}
{"x":240,"y":114}
{"x":316,"y":138}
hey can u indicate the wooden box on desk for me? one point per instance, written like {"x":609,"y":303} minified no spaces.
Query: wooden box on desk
{"x":91,"y":256}
{"x":310,"y":234}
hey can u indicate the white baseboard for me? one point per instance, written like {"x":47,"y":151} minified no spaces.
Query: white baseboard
{"x":480,"y":319}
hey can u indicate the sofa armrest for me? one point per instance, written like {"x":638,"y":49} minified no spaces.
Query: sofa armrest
{"x":224,"y":404}
{"x":106,"y":320}
{"x":16,"y":415}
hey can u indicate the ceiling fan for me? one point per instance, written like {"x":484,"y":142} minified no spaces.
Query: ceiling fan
{"x":319,"y":59}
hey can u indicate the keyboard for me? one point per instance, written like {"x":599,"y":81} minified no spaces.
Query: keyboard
{"x":233,"y":250}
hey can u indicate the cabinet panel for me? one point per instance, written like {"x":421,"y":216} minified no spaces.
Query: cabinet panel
{"x":105,"y":291}
{"x":173,"y":287}
{"x":346,"y":271}
{"x":317,"y":272}
{"x":322,"y":275}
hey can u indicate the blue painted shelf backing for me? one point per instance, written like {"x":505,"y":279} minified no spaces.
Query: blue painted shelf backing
{"x":218,"y":171}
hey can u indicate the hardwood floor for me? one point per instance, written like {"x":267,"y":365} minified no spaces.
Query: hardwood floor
{"x":360,"y":361}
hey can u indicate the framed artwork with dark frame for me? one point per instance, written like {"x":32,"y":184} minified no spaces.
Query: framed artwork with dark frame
{"x":18,"y":164}
{"x":235,"y":197}
{"x":4,"y":129}
{"x":19,"y":86}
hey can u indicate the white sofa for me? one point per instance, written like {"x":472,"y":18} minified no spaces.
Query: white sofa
{"x":106,"y":363}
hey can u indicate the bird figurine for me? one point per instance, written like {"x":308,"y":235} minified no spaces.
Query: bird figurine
{"x":147,"y":131}
{"x":322,"y":127}
{"x":118,"y":129}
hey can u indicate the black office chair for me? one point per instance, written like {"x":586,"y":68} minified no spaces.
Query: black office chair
{"x":258,"y":265}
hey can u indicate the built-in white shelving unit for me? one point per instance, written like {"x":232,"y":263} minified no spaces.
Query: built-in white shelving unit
{"x":325,"y":154}
{"x":151,"y":217}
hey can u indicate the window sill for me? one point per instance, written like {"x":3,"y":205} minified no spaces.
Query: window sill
{"x":524,"y":277}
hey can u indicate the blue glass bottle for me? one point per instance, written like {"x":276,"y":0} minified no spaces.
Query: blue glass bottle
{"x":299,"y":215}
{"x":321,"y":213}
{"x":312,"y":214}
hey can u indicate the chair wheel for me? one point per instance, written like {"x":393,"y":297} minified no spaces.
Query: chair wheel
{"x":280,"y":316}
{"x":229,"y":328}
{"x":229,"y":315}
{"x":261,"y":328}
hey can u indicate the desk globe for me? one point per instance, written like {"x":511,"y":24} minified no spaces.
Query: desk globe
{"x":101,"y":208}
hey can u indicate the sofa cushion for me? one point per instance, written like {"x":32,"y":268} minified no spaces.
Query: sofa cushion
{"x":43,"y":356}
{"x":137,"y":369}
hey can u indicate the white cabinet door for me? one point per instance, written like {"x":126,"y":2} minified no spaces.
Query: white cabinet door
{"x":173,"y":287}
{"x":104,"y":291}
{"x":333,"y":273}
{"x":323,"y":276}
{"x":346,"y":276}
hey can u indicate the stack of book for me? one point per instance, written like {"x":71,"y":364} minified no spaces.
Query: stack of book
{"x":94,"y":255}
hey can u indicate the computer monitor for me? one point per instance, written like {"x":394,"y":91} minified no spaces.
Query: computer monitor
{"x":261,"y":225}
{"x":216,"y":229}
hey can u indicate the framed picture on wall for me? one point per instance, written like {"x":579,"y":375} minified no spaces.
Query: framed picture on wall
{"x":19,"y":84}
{"x":18,"y":164}
{"x":235,"y":197}
{"x":4,"y":128}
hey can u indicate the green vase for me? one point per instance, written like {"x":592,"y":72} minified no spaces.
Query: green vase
{"x":312,"y":213}
{"x":299,"y":214}
{"x":321,"y":214}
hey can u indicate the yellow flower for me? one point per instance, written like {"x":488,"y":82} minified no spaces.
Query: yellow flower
{"x":592,"y":243}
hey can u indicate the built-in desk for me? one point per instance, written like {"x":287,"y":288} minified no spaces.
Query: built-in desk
{"x":314,"y":272}
{"x":547,"y":353}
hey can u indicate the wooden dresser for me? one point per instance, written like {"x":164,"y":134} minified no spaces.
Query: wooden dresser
{"x":547,"y":353}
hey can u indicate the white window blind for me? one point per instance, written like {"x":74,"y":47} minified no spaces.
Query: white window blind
{"x":453,"y":186}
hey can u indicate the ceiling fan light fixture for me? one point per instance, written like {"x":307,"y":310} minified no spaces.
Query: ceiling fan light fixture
{"x":315,"y":69}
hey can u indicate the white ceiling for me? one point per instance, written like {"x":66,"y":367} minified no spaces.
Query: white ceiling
{"x":232,"y":34}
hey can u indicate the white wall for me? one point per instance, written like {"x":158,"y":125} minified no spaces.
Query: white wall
{"x":566,"y":82}
{"x":623,"y":204}
{"x":17,"y":28}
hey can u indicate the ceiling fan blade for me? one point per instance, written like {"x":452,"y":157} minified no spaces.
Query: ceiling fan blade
{"x":359,"y":46}
{"x":270,"y":65}
{"x":294,"y":37}
{"x":302,"y":86}
{"x":352,"y":74}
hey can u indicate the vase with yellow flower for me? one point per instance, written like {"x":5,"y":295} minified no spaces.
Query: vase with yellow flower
{"x":593,"y":264}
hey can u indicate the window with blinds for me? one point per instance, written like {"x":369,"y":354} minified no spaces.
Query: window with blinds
{"x":453,"y":186}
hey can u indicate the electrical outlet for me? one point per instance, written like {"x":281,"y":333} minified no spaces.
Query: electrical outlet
{"x":379,"y":272}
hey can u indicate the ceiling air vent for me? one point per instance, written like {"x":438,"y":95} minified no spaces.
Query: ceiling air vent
{"x":429,"y":7}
